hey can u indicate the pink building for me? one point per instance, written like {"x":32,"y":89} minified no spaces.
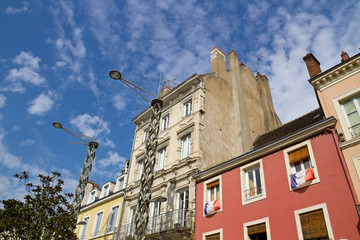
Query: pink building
{"x":338,"y":91}
{"x":293,"y":184}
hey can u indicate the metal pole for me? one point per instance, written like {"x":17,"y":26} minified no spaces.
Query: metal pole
{"x":147,"y":177}
{"x":84,"y":176}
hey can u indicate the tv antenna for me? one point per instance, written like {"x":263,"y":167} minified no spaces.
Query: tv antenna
{"x":89,"y":159}
{"x":259,"y":58}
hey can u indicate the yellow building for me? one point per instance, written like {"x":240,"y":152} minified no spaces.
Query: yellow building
{"x":101,"y":210}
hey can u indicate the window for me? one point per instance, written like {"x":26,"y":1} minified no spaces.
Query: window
{"x":112,"y":219}
{"x":212,"y":196}
{"x":92,"y":196}
{"x":252,"y":182}
{"x":131,"y":226}
{"x":105,"y":191}
{"x":213,"y":235}
{"x":165,"y":122}
{"x":162,"y":157}
{"x":154,"y":220}
{"x":145,"y":133}
{"x":347,"y":110}
{"x":301,"y":165}
{"x":187,"y":108}
{"x":97,"y":223}
{"x":351,"y":110}
{"x":119,"y":184}
{"x":257,"y":230}
{"x":140,"y":170}
{"x":84,"y":228}
{"x":185,"y":146}
{"x":313,"y":223}
{"x":182,"y":206}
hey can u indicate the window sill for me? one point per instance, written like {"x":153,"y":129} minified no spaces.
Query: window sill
{"x":350,"y":143}
{"x":254,"y":199}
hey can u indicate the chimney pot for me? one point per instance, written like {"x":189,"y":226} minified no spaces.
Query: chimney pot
{"x":164,"y":91}
{"x":312,"y":64}
{"x":344,"y":56}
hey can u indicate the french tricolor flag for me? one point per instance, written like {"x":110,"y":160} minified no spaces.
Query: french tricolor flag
{"x":301,"y":177}
{"x":212,"y":207}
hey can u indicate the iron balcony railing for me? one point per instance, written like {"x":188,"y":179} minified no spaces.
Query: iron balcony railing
{"x":254,"y":192}
{"x":180,"y":218}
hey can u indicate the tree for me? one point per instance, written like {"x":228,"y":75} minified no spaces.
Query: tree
{"x":45,"y":212}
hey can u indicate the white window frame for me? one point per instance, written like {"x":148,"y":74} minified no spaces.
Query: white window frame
{"x":206,"y":193}
{"x":130,"y":230}
{"x":105,"y":190}
{"x":310,"y":209}
{"x":256,"y":222}
{"x":165,"y":122}
{"x":94,"y":232}
{"x":140,"y":169}
{"x":84,"y":228}
{"x":187,"y":108}
{"x":92,"y":196}
{"x":185,"y":146}
{"x":244,"y":181}
{"x":312,"y":159}
{"x":115,"y":218}
{"x":342,"y":117}
{"x":217,"y":231}
{"x":161,"y":158}
{"x":145,"y":133}
{"x":180,"y":216}
{"x":120,"y":181}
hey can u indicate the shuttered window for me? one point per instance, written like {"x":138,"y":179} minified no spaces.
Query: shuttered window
{"x":313,"y":225}
{"x":298,"y":155}
{"x":213,"y":237}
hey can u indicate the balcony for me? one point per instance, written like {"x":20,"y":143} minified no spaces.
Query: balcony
{"x":177,"y":224}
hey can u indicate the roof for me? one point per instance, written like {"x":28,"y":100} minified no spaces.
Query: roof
{"x":289,"y":128}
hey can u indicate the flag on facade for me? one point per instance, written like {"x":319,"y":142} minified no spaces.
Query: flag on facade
{"x":212,"y":207}
{"x":302,"y":177}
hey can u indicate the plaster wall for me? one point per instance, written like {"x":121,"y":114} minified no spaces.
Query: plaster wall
{"x":280,"y":203}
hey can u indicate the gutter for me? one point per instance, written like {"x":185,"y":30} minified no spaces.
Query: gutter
{"x":283,"y":142}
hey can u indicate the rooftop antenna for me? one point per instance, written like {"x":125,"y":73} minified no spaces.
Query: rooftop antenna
{"x":259,"y":58}
{"x":159,"y":84}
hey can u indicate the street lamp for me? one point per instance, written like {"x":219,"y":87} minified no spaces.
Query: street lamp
{"x":84,"y":175}
{"x":147,"y":177}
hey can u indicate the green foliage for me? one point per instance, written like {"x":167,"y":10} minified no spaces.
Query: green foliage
{"x":44,"y":214}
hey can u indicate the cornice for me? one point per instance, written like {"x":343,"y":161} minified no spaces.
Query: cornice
{"x":102,"y":201}
{"x":284,"y":142}
{"x":337,"y":73}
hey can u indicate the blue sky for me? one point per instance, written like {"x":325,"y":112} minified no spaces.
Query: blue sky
{"x":55,"y":58}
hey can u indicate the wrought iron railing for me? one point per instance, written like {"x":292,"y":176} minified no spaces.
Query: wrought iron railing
{"x":180,"y":218}
{"x":253,"y":192}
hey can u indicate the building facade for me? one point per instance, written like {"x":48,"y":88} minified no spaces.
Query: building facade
{"x":291,"y":185}
{"x":101,"y":210}
{"x":196,"y":132}
{"x":338,"y":92}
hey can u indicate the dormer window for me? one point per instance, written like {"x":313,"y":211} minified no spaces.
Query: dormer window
{"x":119,"y":184}
{"x":105,"y":191}
{"x":92,"y":196}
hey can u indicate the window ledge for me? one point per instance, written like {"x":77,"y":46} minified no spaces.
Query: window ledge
{"x":350,"y":143}
{"x":254,"y":199}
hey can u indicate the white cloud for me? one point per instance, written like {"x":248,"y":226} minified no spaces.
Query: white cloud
{"x":27,"y":142}
{"x":26,"y":73}
{"x":42,"y":103}
{"x":113,"y":159}
{"x":2,"y":100}
{"x":7,"y":159}
{"x":89,"y":125}
{"x":106,"y":142}
{"x":13,"y":10}
{"x":119,"y":102}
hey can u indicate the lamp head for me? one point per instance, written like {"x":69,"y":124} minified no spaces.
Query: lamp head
{"x":115,"y":74}
{"x":57,"y":125}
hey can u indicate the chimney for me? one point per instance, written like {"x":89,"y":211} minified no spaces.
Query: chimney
{"x":312,"y":64}
{"x":164,"y":91}
{"x":344,"y":56}
{"x":218,"y":62}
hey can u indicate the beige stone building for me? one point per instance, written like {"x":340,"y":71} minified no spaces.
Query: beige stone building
{"x":338,"y":92}
{"x":206,"y":120}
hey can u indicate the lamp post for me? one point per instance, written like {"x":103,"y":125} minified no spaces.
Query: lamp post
{"x":147,"y":177}
{"x":89,"y":159}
